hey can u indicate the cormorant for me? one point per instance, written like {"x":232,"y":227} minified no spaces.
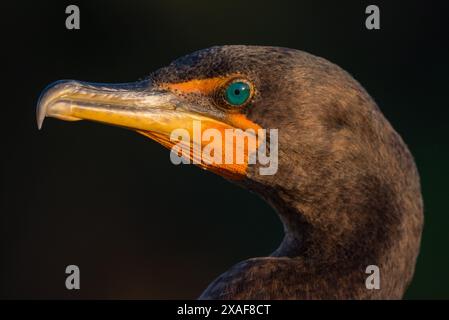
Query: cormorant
{"x":347,"y":189}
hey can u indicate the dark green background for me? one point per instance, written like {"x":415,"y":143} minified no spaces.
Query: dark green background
{"x":111,"y":202}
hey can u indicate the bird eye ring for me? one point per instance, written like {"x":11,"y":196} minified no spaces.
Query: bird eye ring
{"x":238,"y":92}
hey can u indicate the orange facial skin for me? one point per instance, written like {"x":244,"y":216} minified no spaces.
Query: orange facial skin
{"x":210,"y":86}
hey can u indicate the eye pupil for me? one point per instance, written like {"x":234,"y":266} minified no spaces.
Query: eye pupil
{"x":237,"y":93}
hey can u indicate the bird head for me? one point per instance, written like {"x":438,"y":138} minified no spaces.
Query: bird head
{"x":224,"y":88}
{"x":329,"y":127}
{"x":341,"y":164}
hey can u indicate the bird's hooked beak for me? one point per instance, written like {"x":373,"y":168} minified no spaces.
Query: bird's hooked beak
{"x":153,"y":111}
{"x":130,"y":105}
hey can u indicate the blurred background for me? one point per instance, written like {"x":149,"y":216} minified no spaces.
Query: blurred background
{"x":110,"y":201}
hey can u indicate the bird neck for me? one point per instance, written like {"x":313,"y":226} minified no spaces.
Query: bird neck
{"x":305,"y":237}
{"x":338,"y":232}
{"x":318,"y":254}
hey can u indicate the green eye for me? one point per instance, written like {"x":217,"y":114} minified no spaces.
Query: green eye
{"x":237,"y":93}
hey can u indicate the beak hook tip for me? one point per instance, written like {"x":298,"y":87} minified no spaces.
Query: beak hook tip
{"x":40,"y":115}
